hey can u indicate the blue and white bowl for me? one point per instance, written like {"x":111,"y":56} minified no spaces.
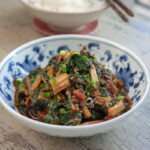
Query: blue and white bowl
{"x":121,"y":61}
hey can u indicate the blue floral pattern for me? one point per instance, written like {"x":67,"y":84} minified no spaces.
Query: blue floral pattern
{"x":25,"y":60}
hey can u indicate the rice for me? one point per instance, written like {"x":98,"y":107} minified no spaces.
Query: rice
{"x":66,"y":5}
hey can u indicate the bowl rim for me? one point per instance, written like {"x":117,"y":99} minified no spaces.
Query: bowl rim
{"x":103,"y":7}
{"x":63,"y":127}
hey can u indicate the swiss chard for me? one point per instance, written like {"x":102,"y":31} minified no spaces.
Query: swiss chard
{"x":34,"y":73}
{"x":83,"y":65}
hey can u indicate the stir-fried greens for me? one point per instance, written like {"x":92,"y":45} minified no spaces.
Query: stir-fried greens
{"x":72,"y":89}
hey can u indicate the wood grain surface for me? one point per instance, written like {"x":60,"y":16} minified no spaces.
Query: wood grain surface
{"x":16,"y":29}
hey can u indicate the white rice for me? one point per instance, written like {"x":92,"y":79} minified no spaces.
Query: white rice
{"x":66,"y":5}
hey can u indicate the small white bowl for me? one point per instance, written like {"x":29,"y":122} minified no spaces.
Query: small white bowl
{"x":120,"y":60}
{"x":65,"y":21}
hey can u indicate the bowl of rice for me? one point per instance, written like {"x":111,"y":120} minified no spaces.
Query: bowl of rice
{"x":66,"y":15}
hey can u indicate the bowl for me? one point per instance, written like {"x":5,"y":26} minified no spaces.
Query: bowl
{"x":120,"y":60}
{"x":65,"y":21}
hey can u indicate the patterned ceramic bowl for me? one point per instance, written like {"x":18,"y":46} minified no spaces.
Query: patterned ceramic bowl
{"x":121,"y":61}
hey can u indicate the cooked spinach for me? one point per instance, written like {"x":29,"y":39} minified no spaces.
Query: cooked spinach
{"x":40,"y":104}
{"x":77,"y":61}
{"x":21,"y":96}
{"x":34,"y":73}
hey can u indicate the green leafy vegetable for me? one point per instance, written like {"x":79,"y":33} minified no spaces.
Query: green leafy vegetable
{"x":84,"y":57}
{"x":119,"y":97}
{"x":54,"y":81}
{"x":40,"y":104}
{"x":16,"y":104}
{"x":77,"y":53}
{"x":86,"y":76}
{"x":46,"y":94}
{"x":62,"y":111}
{"x":47,"y":118}
{"x":34,"y":73}
{"x":51,"y":76}
{"x":76,"y":61}
{"x":93,"y":82}
{"x":21,"y":96}
{"x":42,"y":72}
{"x":103,"y":89}
{"x":19,"y":81}
{"x":88,"y":88}
{"x":22,"y":85}
{"x":64,"y":69}
{"x":32,"y":80}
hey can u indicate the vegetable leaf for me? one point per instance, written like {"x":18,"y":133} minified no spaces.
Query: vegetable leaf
{"x":82,"y":65}
{"x":64,"y":69}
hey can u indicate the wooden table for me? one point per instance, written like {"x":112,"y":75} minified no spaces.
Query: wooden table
{"x":16,"y":29}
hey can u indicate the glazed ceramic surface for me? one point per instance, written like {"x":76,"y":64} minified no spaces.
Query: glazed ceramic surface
{"x":121,"y":61}
{"x":65,"y":21}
